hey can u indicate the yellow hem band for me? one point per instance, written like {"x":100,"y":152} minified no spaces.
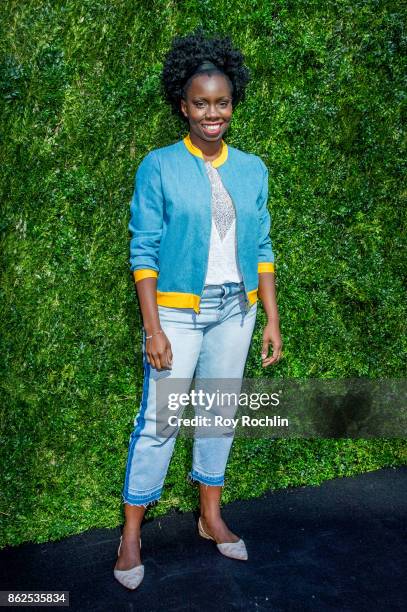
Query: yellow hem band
{"x":252,"y":296}
{"x":174,"y":299}
{"x":140,"y":274}
{"x":265,"y":267}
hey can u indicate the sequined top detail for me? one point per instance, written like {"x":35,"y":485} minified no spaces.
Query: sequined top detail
{"x":223,"y":266}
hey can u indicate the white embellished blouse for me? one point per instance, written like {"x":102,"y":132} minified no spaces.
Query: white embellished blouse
{"x":223,"y":265}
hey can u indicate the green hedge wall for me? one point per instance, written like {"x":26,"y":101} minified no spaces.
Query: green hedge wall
{"x":80,"y":108}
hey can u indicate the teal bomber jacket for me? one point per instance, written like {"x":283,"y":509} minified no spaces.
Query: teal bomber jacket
{"x":171,"y":220}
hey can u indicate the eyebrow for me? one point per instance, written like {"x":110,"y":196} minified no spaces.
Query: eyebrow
{"x":195,"y":98}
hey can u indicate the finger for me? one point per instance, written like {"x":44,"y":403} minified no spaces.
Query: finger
{"x":169,"y":352}
{"x":267,"y":356}
{"x":276,"y":352}
{"x":265,"y":364}
{"x":152,"y":361}
{"x":272,"y":359}
{"x":164,"y":360}
{"x":264,"y":350}
{"x":158,"y":362}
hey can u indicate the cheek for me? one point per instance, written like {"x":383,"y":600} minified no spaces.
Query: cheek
{"x":195,"y":115}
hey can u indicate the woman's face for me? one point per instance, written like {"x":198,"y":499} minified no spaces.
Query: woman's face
{"x":208,"y":103}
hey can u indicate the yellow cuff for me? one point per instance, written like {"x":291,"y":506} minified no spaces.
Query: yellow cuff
{"x":265,"y":267}
{"x":140,"y":274}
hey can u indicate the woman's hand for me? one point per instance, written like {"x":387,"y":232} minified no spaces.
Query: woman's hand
{"x":271,"y":334}
{"x":159,"y":353}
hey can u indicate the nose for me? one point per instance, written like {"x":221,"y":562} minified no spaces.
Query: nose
{"x":212,"y":112}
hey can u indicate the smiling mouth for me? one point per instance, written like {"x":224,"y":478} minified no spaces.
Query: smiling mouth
{"x":212,"y":127}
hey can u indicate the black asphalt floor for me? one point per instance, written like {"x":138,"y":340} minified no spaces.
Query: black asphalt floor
{"x":339,"y":546}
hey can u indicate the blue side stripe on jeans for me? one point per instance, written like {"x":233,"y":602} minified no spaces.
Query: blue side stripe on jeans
{"x":140,"y":419}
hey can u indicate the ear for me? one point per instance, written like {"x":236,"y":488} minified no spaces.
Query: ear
{"x":183,"y":108}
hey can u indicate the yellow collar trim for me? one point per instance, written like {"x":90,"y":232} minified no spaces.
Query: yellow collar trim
{"x":196,"y":151}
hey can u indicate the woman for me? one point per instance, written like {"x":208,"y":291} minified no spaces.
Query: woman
{"x":201,"y":256}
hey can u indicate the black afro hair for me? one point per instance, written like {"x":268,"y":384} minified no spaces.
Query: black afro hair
{"x":188,"y":52}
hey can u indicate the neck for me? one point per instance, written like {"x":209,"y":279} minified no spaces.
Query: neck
{"x":210,"y":150}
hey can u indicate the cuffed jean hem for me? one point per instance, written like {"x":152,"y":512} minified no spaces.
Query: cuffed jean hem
{"x":215,"y":481}
{"x":142,"y":500}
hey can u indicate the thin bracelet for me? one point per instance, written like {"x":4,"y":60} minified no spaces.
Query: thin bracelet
{"x":157,"y":332}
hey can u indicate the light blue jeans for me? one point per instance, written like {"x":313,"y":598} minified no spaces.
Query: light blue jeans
{"x":211,"y":344}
